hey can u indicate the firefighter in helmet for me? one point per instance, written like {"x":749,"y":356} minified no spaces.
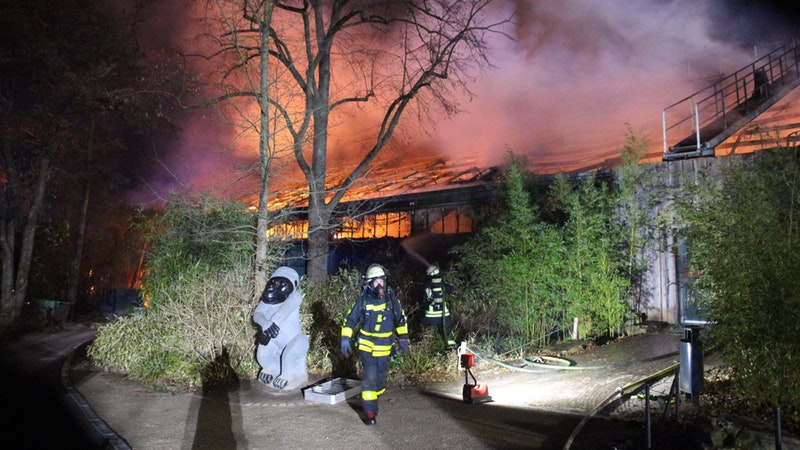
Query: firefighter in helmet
{"x":379,"y":320}
{"x":437,"y":313}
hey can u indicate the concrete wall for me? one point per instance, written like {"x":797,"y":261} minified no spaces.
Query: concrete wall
{"x":664,"y":294}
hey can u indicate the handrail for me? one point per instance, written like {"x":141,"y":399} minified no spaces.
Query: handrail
{"x":692,"y":124}
{"x":627,"y":390}
{"x":637,"y":385}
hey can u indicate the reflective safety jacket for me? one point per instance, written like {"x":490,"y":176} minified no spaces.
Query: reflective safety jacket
{"x":377,"y":321}
{"x":435,"y":290}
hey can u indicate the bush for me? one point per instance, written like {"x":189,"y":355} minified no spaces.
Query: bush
{"x":325,"y":304}
{"x":505,"y":272}
{"x":427,"y":359}
{"x":525,"y":278}
{"x":743,"y":239}
{"x":200,"y":286}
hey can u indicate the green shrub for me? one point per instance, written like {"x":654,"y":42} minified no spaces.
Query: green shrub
{"x":427,"y":358}
{"x":743,"y":238}
{"x":591,"y":275}
{"x":325,"y":305}
{"x":503,"y":285}
{"x":523,"y":279}
{"x":199,"y":285}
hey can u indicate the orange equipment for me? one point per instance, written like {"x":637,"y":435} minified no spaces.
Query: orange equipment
{"x":473,"y":392}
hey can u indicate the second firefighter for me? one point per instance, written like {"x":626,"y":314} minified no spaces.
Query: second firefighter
{"x":437,"y":313}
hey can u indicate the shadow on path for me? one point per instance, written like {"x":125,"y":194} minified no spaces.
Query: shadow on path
{"x":219,"y":416}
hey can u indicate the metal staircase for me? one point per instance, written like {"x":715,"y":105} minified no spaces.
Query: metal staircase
{"x":703,"y":120}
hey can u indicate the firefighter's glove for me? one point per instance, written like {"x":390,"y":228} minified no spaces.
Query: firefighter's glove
{"x":272,"y":331}
{"x":263,"y":338}
{"x":345,"y":347}
{"x":403,"y":347}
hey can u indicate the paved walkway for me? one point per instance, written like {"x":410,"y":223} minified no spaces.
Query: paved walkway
{"x":530,"y":408}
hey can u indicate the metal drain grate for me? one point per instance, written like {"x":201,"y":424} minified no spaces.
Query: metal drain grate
{"x":332,"y":391}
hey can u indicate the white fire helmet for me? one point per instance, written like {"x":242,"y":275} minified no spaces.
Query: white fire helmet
{"x":375,"y":271}
{"x":433,"y":270}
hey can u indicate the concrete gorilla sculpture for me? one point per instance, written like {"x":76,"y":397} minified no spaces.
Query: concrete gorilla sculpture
{"x":282,"y":345}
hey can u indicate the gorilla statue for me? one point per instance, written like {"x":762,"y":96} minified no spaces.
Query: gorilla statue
{"x":282,"y":345}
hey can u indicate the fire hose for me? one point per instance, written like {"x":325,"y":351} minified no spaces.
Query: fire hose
{"x":541,"y":363}
{"x":554,"y":362}
{"x":544,"y":365}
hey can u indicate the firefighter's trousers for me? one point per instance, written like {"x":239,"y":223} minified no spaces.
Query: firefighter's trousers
{"x":373,"y":383}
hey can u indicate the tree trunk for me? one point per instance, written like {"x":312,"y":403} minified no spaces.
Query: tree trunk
{"x":319,"y":214}
{"x":8,"y":241}
{"x":75,"y":264}
{"x":319,"y":217}
{"x":318,"y":242}
{"x":15,"y":300}
{"x":260,"y":274}
{"x":8,"y":238}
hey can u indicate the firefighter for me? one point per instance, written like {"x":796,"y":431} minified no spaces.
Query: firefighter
{"x":379,"y":319}
{"x":437,"y":313}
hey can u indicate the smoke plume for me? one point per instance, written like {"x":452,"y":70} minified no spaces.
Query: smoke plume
{"x":577,"y":75}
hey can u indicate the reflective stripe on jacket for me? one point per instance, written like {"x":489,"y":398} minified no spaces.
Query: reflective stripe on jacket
{"x":434,"y":293}
{"x":377,"y":321}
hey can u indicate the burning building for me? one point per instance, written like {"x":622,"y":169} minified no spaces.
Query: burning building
{"x":426,"y":200}
{"x":755,"y":108}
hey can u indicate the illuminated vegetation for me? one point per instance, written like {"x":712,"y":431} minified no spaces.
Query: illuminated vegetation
{"x":200,"y":286}
{"x":744,"y":237}
{"x":526,"y":278}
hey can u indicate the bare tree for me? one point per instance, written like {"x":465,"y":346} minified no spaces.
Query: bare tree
{"x":386,"y":56}
{"x":240,"y":70}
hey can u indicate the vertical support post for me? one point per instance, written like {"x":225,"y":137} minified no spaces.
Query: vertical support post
{"x":697,"y":123}
{"x":664,"y":128}
{"x":647,"y":412}
{"x":677,"y":395}
{"x":691,"y":367}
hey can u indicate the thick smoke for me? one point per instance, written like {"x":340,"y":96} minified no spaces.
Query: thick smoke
{"x":581,"y":71}
{"x":576,"y":77}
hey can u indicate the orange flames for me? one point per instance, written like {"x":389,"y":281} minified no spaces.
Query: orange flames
{"x":388,"y":224}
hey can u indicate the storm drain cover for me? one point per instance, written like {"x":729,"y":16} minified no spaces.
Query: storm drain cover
{"x":332,"y":390}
